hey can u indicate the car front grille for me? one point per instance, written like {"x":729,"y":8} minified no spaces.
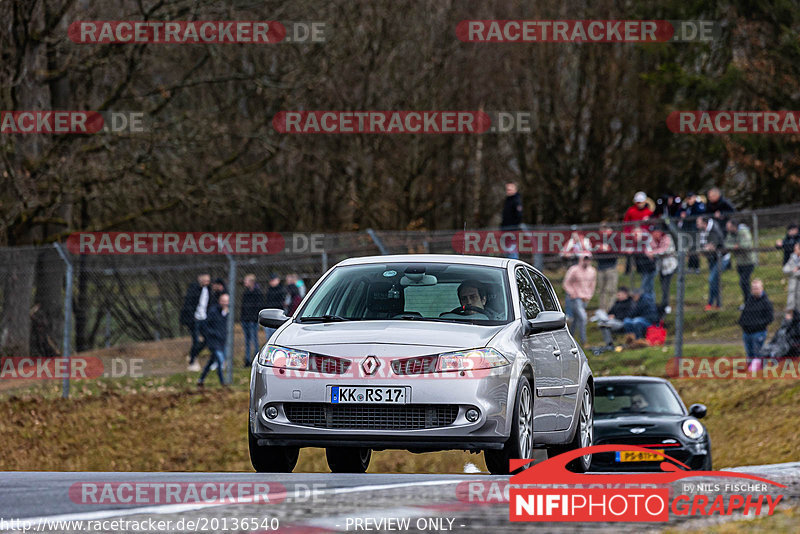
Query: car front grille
{"x":371,"y":417}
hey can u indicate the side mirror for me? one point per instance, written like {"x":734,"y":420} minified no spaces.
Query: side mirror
{"x":698,"y":410}
{"x":547,"y":321}
{"x":272,"y":318}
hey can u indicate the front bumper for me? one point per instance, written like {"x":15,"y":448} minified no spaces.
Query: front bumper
{"x":433,"y":419}
{"x":690,"y":452}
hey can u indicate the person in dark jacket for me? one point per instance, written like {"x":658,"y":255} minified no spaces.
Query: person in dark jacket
{"x":712,"y":241}
{"x":788,"y":242}
{"x":755,"y":318}
{"x":193,"y":314}
{"x":643,"y":315}
{"x":694,"y":207}
{"x":275,"y":298}
{"x":217,"y":289}
{"x":215,"y":330}
{"x":252,"y":303}
{"x":512,"y":215}
{"x":719,"y":207}
{"x":786,"y":341}
{"x":617,"y":313}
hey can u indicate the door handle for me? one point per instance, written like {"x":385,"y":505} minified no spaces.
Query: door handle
{"x":574,"y":350}
{"x":557,"y":353}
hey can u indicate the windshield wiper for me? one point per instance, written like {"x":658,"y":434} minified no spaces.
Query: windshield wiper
{"x":324,"y":319}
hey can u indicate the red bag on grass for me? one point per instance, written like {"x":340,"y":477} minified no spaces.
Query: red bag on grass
{"x":656,"y":335}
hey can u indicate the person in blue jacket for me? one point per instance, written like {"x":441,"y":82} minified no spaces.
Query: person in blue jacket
{"x":216,"y":334}
{"x":644,"y":314}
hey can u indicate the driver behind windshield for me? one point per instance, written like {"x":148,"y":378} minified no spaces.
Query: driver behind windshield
{"x":472,"y":296}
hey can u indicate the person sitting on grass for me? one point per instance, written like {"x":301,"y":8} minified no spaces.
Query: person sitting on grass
{"x":643,"y":315}
{"x":617,"y":313}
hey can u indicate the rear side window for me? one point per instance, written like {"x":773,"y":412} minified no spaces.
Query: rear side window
{"x":545,"y":292}
{"x":527,"y":295}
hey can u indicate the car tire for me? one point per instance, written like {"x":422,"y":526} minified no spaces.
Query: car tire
{"x":267,"y":459}
{"x":348,"y":459}
{"x":520,"y":443}
{"x":584,"y":435}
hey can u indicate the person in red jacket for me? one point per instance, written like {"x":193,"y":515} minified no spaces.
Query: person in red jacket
{"x":640,"y":211}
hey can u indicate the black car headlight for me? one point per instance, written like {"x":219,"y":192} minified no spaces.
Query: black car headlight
{"x":693,"y":429}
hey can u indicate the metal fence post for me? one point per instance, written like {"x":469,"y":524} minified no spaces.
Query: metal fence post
{"x":231,"y":318}
{"x":680,"y":296}
{"x":65,"y":347}
{"x":377,"y":241}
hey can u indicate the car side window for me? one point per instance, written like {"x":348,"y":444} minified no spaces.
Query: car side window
{"x":545,"y":292}
{"x":527,"y":295}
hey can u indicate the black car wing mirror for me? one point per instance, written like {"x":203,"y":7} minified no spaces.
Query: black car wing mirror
{"x":272,"y":318}
{"x":547,"y":321}
{"x":698,"y":410}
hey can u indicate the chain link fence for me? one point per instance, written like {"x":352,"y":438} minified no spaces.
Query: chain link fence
{"x":119,"y":299}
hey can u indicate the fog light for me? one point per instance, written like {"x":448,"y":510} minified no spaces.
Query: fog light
{"x":472,"y":415}
{"x":271,"y":412}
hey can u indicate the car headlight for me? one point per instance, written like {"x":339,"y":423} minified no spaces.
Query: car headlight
{"x":465,"y":360}
{"x":275,"y":356}
{"x":693,"y":429}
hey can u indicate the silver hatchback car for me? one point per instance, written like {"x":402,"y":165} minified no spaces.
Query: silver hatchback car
{"x":424,"y":353}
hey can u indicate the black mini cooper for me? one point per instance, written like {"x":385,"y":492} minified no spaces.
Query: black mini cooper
{"x":647,"y":412}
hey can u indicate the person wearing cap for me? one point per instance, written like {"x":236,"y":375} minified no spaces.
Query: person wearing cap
{"x":579,"y":285}
{"x":639,"y":211}
{"x":694,"y":207}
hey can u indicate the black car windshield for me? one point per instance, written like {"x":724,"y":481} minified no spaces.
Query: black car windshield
{"x":620,"y":399}
{"x":439,"y":292}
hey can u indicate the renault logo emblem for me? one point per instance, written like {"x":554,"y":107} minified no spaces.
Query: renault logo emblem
{"x":370,"y":364}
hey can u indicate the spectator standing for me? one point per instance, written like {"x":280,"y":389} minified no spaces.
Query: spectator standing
{"x":719,"y":207}
{"x":194,"y":313}
{"x":756,"y":316}
{"x":792,"y":270}
{"x":293,"y":294}
{"x":607,"y":274}
{"x":619,"y":311}
{"x":712,"y":242}
{"x":512,"y":215}
{"x":643,"y":258}
{"x":216,"y":334}
{"x":643,"y":315}
{"x":788,"y":242}
{"x":217,"y":289}
{"x":252,"y":303}
{"x":639,"y":211}
{"x":694,"y":207}
{"x":664,"y":250}
{"x":579,"y":285}
{"x":275,"y":298}
{"x":740,"y":242}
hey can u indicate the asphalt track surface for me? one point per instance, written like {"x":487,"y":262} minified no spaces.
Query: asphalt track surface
{"x":306,"y":502}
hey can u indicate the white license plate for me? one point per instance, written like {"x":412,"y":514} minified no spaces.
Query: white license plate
{"x":368,"y":395}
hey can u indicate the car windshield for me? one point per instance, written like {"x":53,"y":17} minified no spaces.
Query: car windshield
{"x":620,"y":399}
{"x":412,"y":291}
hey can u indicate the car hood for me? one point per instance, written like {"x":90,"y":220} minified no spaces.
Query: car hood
{"x":401,"y":338}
